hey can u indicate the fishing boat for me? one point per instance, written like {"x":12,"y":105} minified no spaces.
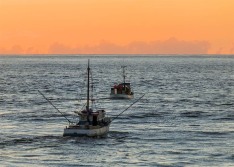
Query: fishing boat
{"x":91,"y":123}
{"x":122,"y":90}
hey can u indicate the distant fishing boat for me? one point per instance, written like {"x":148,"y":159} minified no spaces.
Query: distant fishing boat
{"x":122,"y":90}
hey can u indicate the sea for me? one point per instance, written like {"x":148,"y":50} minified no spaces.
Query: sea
{"x":186,"y":117}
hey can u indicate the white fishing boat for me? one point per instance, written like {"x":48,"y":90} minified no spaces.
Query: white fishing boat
{"x":91,"y":123}
{"x":122,"y":90}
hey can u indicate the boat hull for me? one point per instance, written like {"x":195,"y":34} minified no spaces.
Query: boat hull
{"x":76,"y":132}
{"x":121,"y":96}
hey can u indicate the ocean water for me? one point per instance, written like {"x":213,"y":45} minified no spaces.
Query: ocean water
{"x":186,"y":117}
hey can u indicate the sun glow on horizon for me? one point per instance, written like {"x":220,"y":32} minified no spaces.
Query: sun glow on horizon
{"x":117,"y":26}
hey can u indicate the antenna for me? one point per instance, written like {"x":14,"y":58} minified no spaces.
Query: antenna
{"x":87,"y":106}
{"x":54,"y":106}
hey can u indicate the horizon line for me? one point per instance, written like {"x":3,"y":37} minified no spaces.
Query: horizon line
{"x":122,"y":54}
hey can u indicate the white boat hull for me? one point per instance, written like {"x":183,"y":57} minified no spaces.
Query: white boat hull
{"x":121,"y":96}
{"x":74,"y":131}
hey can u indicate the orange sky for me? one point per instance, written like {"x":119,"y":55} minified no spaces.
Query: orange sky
{"x":117,"y":26}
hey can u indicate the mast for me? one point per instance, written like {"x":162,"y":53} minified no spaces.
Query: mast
{"x":124,"y":76}
{"x":87,"y":106}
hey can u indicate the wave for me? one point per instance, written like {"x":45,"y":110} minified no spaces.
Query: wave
{"x":26,"y":140}
{"x":194,"y":114}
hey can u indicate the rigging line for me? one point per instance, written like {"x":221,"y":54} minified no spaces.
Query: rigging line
{"x":94,"y":93}
{"x":83,"y":107}
{"x":127,"y":108}
{"x":54,"y":106}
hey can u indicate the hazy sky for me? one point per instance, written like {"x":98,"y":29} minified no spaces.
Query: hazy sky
{"x":117,"y":26}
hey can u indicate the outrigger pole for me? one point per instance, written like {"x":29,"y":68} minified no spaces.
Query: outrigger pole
{"x":127,"y":108}
{"x":54,"y":106}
